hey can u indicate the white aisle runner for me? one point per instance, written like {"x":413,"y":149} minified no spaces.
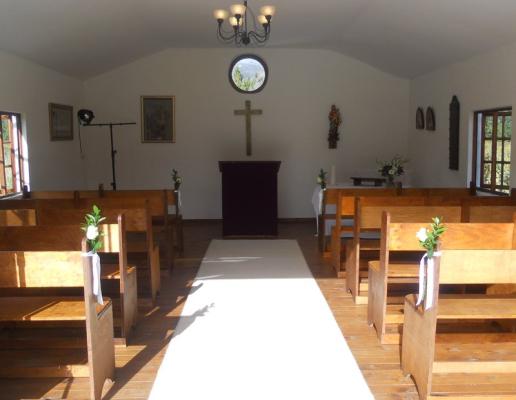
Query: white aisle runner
{"x":256,"y":326}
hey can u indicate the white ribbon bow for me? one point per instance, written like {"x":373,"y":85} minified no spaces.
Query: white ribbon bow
{"x":426,"y":281}
{"x":95,"y":261}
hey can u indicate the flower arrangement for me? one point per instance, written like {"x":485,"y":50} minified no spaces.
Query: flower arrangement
{"x":176,"y":179}
{"x":335,"y":121}
{"x":428,"y":238}
{"x":321,"y":179}
{"x":91,"y":227}
{"x":392,"y":168}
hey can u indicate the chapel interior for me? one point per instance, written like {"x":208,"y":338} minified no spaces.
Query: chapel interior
{"x":262,"y":199}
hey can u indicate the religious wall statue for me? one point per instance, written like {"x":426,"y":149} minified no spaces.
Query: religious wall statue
{"x":335,"y":121}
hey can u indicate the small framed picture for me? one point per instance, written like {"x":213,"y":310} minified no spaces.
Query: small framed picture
{"x":61,"y":121}
{"x":158,"y":119}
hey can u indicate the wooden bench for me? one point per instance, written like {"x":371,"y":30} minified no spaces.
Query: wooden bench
{"x":51,"y":194}
{"x":36,"y":359}
{"x":167,"y":227}
{"x":21,"y":217}
{"x":345,"y":212}
{"x":368,"y":221}
{"x":118,"y":279}
{"x":434,"y":363}
{"x":141,"y":248}
{"x":344,"y":220}
{"x":398,"y":263}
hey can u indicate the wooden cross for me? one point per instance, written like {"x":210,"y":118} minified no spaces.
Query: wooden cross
{"x":247,"y":112}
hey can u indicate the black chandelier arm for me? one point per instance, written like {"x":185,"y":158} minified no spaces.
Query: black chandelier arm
{"x":226,"y":37}
{"x":260,"y":38}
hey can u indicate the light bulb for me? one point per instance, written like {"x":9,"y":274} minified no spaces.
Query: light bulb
{"x":237,"y":9}
{"x":234,"y":22}
{"x":220,"y":14}
{"x":262,"y":19}
{"x":268,"y":11}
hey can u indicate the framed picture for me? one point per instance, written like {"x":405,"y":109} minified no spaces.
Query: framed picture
{"x":420,"y":119}
{"x":61,"y":121}
{"x":430,"y":119}
{"x":158,"y":119}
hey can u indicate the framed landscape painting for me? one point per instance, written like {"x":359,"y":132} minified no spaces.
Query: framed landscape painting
{"x":158,"y":119}
{"x":61,"y":121}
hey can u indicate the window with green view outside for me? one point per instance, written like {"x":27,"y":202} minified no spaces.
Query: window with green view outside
{"x":493,"y":148}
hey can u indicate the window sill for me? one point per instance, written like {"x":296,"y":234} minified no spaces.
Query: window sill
{"x":11,"y":196}
{"x":486,"y":191}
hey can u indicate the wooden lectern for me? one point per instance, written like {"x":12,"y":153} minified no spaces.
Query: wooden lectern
{"x":249,"y":198}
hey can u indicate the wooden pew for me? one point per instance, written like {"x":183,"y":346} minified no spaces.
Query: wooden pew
{"x":345,"y":212}
{"x":393,"y":267}
{"x":118,"y":279}
{"x":95,"y":359}
{"x":166,"y":226}
{"x":20,"y":217}
{"x":344,"y":220}
{"x":430,"y":360}
{"x":52,"y":194}
{"x":368,"y":219}
{"x":140,"y":238}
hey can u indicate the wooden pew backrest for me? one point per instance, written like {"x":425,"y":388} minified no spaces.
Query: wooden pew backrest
{"x":21,"y":217}
{"x":55,"y":237}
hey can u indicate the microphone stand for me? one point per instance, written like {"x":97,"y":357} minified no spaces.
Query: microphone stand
{"x":113,"y":151}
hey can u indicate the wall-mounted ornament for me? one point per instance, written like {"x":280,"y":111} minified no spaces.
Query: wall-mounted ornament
{"x":420,"y":118}
{"x":454,"y":133}
{"x":335,"y":121}
{"x":430,"y":119}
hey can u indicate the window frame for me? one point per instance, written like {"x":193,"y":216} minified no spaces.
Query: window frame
{"x":478,"y":150}
{"x":17,"y":156}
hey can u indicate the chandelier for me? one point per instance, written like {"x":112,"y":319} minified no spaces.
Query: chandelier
{"x":243,"y":20}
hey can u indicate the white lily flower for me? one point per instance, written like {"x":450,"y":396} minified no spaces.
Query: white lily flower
{"x":92,"y":232}
{"x":422,"y":234}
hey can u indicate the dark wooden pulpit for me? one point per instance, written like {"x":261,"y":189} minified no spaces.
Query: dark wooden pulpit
{"x":249,"y":198}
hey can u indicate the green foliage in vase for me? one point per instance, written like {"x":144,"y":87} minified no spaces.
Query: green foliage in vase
{"x":91,"y":227}
{"x":428,"y":238}
{"x":321,"y":178}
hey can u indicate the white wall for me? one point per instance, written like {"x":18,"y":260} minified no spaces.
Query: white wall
{"x":27,"y":88}
{"x":483,"y":82}
{"x":293,"y":128}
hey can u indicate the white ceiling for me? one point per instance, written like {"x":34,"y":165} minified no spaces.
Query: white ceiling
{"x":83,"y":38}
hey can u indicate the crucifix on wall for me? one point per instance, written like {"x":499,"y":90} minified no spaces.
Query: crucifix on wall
{"x":248,"y":112}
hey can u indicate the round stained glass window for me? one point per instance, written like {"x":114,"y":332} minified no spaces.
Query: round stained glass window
{"x":248,"y":73}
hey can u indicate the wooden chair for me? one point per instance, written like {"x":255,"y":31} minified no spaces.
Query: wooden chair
{"x":141,"y":248}
{"x":394,"y":267}
{"x":68,"y":238}
{"x":431,"y":361}
{"x":36,"y":359}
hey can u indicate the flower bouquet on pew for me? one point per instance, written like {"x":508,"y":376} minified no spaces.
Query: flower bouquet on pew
{"x":93,"y":239}
{"x":321,"y":179}
{"x":176,"y":179}
{"x":428,"y":239}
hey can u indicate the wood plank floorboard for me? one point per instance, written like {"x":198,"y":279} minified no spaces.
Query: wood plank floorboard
{"x":138,"y":363}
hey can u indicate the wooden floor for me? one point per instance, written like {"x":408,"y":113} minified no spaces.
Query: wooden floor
{"x":138,"y":363}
